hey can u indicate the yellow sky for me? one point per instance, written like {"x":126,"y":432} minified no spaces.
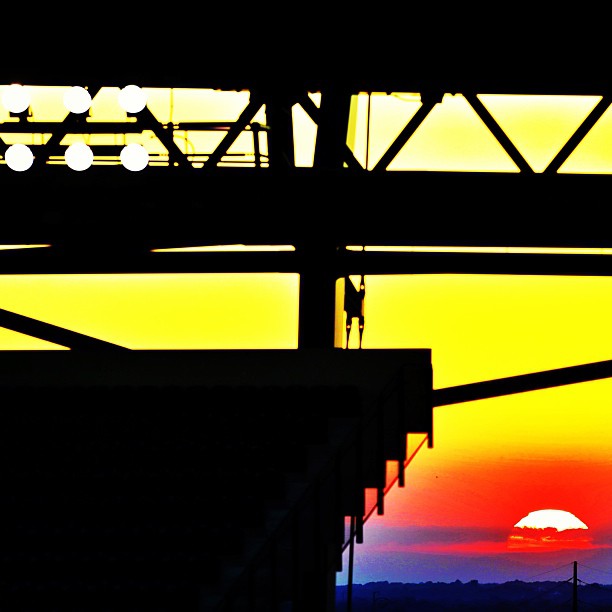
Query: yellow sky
{"x":156,"y":311}
{"x":454,"y":138}
{"x":479,"y":327}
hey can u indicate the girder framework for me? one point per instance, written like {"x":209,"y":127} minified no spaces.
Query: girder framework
{"x":109,"y":219}
{"x":331,"y":119}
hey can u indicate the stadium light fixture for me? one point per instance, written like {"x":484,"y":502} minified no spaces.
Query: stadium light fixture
{"x":77,"y":100}
{"x":134,"y":157}
{"x":79,"y":156}
{"x":19,"y":157}
{"x":132,"y":99}
{"x":16,"y":98}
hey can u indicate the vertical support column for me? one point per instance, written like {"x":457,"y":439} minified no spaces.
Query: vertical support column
{"x":575,"y":588}
{"x":331,"y":145}
{"x":317,"y":298}
{"x":349,"y":588}
{"x":318,"y":276}
{"x":297,"y":585}
{"x":279,"y":118}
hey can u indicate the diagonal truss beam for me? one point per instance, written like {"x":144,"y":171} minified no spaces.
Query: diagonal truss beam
{"x":53,"y":333}
{"x":428,"y":103}
{"x":522,"y":383}
{"x":252,"y":108}
{"x":148,"y":121}
{"x":578,"y":135}
{"x":71,"y":124}
{"x":498,"y":132}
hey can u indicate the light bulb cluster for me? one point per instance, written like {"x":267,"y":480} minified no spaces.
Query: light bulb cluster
{"x":16,"y":99}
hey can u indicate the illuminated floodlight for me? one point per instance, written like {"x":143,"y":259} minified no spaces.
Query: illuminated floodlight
{"x":134,"y":157}
{"x":79,"y":156}
{"x":19,"y":157}
{"x":132,"y":99}
{"x":16,"y":98}
{"x":77,"y":100}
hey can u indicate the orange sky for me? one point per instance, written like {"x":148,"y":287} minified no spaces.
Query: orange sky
{"x":494,"y":460}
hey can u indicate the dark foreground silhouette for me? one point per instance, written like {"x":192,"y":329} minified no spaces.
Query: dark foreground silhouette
{"x":458,"y":596}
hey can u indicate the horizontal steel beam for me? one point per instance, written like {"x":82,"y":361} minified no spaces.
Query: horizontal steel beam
{"x":164,"y":207}
{"x":108,"y":260}
{"x":383,"y":72}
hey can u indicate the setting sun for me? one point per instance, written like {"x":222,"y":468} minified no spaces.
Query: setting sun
{"x":557,"y":519}
{"x":549,"y":529}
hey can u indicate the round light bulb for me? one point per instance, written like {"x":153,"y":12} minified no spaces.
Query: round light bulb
{"x":79,"y":156}
{"x":19,"y":157}
{"x":16,"y":98}
{"x":77,"y":100}
{"x":132,"y":99}
{"x":134,"y":157}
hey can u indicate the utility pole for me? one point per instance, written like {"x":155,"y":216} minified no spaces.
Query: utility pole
{"x":575,"y":589}
{"x":349,"y":586}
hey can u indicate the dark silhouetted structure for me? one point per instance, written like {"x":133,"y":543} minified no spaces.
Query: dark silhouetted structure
{"x":178,"y":481}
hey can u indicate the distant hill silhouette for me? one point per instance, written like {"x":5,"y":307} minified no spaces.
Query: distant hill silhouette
{"x":462,"y":596}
